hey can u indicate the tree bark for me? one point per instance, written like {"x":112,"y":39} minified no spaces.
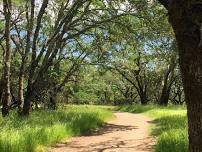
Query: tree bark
{"x":165,"y":94}
{"x":142,"y":89}
{"x":1,"y":86}
{"x":21,"y":87}
{"x":143,"y":97}
{"x":185,"y":18}
{"x":52,"y":99}
{"x":27,"y":102}
{"x":30,"y":22}
{"x":6,"y":95}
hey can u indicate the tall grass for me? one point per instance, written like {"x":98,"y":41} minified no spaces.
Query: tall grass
{"x":170,"y":126}
{"x":45,"y":128}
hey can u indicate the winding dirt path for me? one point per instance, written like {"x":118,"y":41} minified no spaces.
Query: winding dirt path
{"x":126,"y":133}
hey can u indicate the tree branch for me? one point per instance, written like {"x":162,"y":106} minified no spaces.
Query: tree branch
{"x":165,"y":3}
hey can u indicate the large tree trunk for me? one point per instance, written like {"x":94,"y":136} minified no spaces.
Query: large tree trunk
{"x":185,"y":18}
{"x":6,"y":95}
{"x":191,"y":68}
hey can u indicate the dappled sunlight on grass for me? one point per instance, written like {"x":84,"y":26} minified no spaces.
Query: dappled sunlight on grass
{"x":48,"y":127}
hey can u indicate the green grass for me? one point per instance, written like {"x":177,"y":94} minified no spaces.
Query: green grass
{"x":170,"y":126}
{"x":46,"y":128}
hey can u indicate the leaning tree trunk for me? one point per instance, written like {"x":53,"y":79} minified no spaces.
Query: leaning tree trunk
{"x":185,"y":18}
{"x":6,"y":95}
{"x":163,"y":101}
{"x":165,"y":94}
{"x":168,"y":82}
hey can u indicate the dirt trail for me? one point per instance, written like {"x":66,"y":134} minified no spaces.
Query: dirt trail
{"x":126,"y":133}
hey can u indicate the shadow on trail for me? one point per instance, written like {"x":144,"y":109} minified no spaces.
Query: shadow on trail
{"x":110,"y":128}
{"x":110,"y":137}
{"x":111,"y":145}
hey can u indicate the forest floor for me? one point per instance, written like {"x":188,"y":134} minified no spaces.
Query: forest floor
{"x":125,"y":133}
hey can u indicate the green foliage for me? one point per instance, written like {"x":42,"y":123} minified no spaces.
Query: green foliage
{"x":1,"y":26}
{"x":135,"y":47}
{"x":83,"y":97}
{"x":170,"y":126}
{"x":45,"y":128}
{"x":140,"y":43}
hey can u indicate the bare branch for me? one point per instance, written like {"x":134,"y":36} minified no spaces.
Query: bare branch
{"x":38,"y":26}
